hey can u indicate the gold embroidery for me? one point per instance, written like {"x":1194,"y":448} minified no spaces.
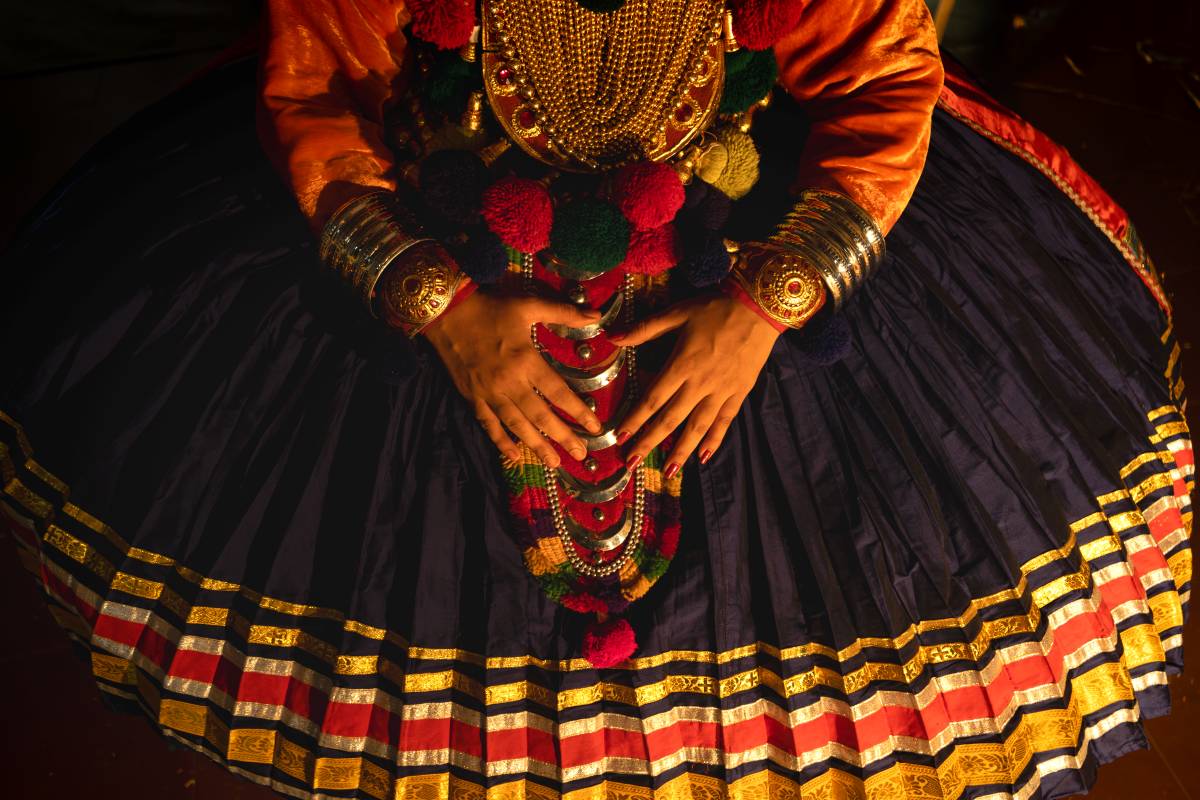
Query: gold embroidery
{"x":294,"y":760}
{"x":1166,"y":607}
{"x":18,"y":491}
{"x":1142,"y":645}
{"x":113,"y":668}
{"x":253,"y":745}
{"x":337,"y":773}
{"x":207,"y":615}
{"x":138,"y":587}
{"x":185,"y":717}
{"x":356,"y":665}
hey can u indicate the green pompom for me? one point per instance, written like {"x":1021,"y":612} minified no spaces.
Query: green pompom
{"x":590,"y":237}
{"x":749,"y":76}
{"x":448,"y":83}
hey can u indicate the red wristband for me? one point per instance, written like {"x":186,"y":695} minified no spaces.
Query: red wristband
{"x":733,"y":289}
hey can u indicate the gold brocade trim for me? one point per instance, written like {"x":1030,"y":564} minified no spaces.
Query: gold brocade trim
{"x":964,"y":765}
{"x":288,"y":637}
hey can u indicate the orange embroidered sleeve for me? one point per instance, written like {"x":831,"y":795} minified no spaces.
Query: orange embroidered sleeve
{"x":329,"y":69}
{"x":868,"y":73}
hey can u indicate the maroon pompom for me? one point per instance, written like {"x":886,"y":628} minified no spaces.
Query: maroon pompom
{"x":759,"y":24}
{"x":446,"y":24}
{"x":584,"y":603}
{"x":649,"y":194}
{"x":520,"y":212}
{"x":606,"y":644}
{"x":654,"y":251}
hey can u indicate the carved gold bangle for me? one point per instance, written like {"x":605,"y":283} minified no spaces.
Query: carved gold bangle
{"x":836,"y":237}
{"x":364,"y":237}
{"x":786,"y":287}
{"x":421,"y":290}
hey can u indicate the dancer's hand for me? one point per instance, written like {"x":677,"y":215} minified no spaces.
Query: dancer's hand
{"x":722,"y":346}
{"x":484,"y":343}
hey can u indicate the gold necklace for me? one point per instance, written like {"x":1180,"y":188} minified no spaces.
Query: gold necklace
{"x":581,"y":89}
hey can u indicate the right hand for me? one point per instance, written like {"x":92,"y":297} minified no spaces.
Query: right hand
{"x":485,"y":344}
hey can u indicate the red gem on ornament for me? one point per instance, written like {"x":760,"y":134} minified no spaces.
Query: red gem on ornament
{"x":527,"y":119}
{"x":504,"y":76}
{"x":684,"y":113}
{"x":793,"y":287}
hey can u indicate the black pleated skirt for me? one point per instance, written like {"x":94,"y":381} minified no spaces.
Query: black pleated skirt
{"x":952,"y":563}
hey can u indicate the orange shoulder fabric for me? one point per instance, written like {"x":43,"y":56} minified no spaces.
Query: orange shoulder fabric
{"x":868,"y":73}
{"x":329,"y":69}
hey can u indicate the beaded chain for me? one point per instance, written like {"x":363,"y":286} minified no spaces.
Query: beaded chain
{"x":604,"y":86}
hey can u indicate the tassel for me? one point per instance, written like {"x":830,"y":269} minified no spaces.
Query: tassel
{"x":608,"y":642}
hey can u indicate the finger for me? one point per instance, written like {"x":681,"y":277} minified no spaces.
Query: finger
{"x":523,"y":429}
{"x":651,"y":327}
{"x":495,"y":431}
{"x":664,"y":388}
{"x":541,"y":415}
{"x":555,"y":389}
{"x":549,"y":312}
{"x":666,"y":420}
{"x":720,"y":426}
{"x":698,"y":423}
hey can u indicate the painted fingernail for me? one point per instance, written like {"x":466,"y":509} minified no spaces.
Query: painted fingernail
{"x":633,"y":461}
{"x":705,"y":456}
{"x":623,"y":437}
{"x":672,"y":468}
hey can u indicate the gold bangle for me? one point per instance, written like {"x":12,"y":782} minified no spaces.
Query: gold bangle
{"x":786,"y":287}
{"x":363,"y":237}
{"x":836,"y":236}
{"x":422,"y":290}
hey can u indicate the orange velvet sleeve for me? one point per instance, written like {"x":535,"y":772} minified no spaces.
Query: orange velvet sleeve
{"x":329,"y":69}
{"x":868,"y":73}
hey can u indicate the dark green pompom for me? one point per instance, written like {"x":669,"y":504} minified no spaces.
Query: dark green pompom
{"x":749,"y":76}
{"x":602,"y":6}
{"x":590,"y":236}
{"x":448,"y":83}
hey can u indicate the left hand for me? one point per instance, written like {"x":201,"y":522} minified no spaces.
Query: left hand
{"x":722,"y":346}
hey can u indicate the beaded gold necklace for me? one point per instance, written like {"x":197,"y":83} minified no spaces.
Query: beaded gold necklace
{"x":582,"y":89}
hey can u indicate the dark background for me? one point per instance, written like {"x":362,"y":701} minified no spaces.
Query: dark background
{"x":1116,"y":81}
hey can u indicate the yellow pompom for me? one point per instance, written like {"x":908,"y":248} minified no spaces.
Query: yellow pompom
{"x":741,"y":170}
{"x":712,"y":162}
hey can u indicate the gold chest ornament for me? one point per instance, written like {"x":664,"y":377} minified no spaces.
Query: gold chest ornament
{"x":584,"y":90}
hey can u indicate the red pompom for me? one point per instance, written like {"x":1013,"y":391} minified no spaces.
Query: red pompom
{"x":654,"y":251}
{"x":759,"y":24}
{"x":446,"y":24}
{"x":648,"y":194}
{"x":520,"y":212}
{"x":584,"y":603}
{"x":606,"y":644}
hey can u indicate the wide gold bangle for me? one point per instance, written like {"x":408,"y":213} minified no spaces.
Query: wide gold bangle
{"x":835,"y":236}
{"x":785,"y":286}
{"x":364,"y":237}
{"x":420,"y":289}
